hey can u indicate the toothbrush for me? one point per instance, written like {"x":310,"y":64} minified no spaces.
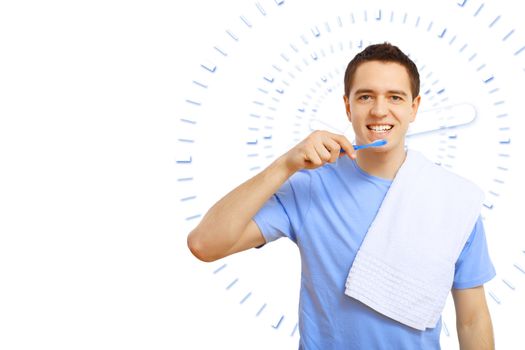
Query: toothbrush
{"x":377,"y":143}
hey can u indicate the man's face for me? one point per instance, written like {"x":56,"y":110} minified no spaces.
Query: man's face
{"x":380,"y":105}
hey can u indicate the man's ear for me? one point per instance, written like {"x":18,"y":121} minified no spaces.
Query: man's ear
{"x":415,"y":107}
{"x":347,"y":107}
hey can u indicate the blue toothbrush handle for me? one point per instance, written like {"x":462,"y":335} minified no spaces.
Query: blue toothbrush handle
{"x":377,"y":143}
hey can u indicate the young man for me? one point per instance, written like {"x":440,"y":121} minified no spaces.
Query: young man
{"x":326,"y":200}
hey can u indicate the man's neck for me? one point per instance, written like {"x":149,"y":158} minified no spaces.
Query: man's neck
{"x":381,"y":164}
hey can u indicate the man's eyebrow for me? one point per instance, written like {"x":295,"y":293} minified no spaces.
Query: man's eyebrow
{"x":391,"y":92}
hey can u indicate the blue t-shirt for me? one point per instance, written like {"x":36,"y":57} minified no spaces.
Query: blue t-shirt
{"x":327,"y":213}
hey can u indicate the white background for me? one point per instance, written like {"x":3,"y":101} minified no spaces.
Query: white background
{"x":92,"y":245}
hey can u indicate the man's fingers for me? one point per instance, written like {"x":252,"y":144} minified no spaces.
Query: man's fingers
{"x":312,"y":157}
{"x":345,"y":145}
{"x":323,"y":152}
{"x":334,"y":149}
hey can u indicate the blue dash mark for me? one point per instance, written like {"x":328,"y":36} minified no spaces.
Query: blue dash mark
{"x":499,"y":103}
{"x":378,"y":18}
{"x":186,"y":140}
{"x":233,"y":36}
{"x":502,"y":115}
{"x":260,"y":8}
{"x":220,"y":51}
{"x":193,"y":217}
{"x":508,"y":35}
{"x":279,"y":2}
{"x":430,"y":26}
{"x":245,"y":298}
{"x":183,"y":179}
{"x":519,"y":267}
{"x":505,"y":142}
{"x":248,"y":24}
{"x":261,"y":310}
{"x":494,"y":21}
{"x":294,"y":330}
{"x":195,"y":103}
{"x":442,"y":33}
{"x":510,"y":285}
{"x":187,"y":198}
{"x":200,"y":84}
{"x":185,"y":161}
{"x":252,"y":142}
{"x":220,"y":269}
{"x":499,"y":181}
{"x":519,"y":51}
{"x":486,"y":81}
{"x":210,"y":67}
{"x":278,"y":323}
{"x":488,"y":205}
{"x":316,"y":32}
{"x":496,"y":299}
{"x":268,"y":78}
{"x":462,"y":4}
{"x":232,"y":283}
{"x":188,"y":121}
{"x":479,"y":10}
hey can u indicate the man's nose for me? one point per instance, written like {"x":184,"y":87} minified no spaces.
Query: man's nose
{"x":380,"y":108}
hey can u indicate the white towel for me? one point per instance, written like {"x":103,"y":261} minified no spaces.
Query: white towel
{"x":404,"y":268}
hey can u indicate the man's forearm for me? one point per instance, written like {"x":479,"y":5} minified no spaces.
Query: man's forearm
{"x":476,"y":336}
{"x":223,"y":224}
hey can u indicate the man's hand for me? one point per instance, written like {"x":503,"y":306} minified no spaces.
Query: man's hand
{"x":319,"y":148}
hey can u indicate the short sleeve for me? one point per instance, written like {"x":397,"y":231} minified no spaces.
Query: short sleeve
{"x":474,"y":267}
{"x":282,"y":215}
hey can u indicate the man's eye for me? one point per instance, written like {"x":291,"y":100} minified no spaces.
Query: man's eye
{"x":364,"y":97}
{"x":397,"y":98}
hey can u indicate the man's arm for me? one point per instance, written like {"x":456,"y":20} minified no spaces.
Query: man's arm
{"x":473,"y":321}
{"x":228,"y":227}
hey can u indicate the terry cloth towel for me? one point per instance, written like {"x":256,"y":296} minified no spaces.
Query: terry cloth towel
{"x":404,"y":268}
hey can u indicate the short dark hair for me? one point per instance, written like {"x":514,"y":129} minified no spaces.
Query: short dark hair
{"x":385,"y":52}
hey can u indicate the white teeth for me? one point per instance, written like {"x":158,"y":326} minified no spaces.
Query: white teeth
{"x":380,"y":127}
